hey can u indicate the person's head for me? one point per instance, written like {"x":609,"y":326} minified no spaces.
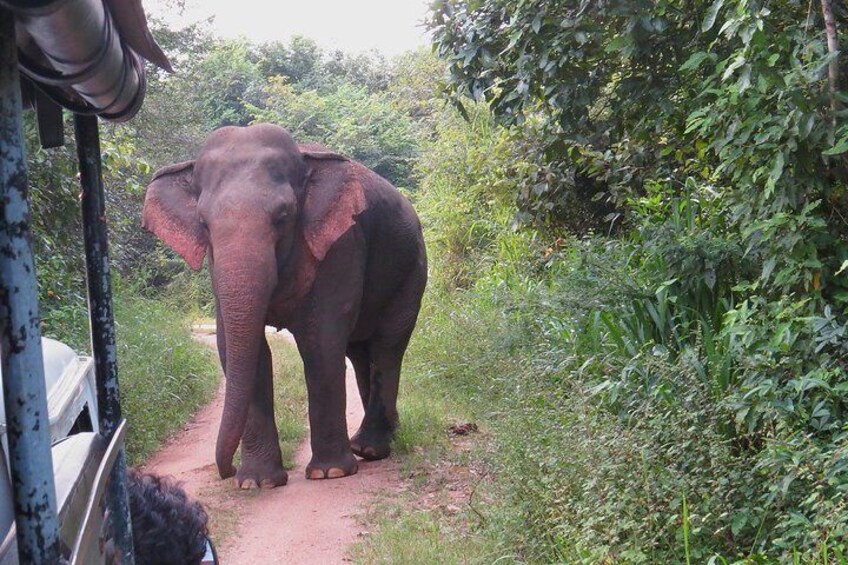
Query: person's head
{"x":168,"y":527}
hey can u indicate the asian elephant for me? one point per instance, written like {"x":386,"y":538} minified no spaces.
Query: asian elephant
{"x":311,"y":241}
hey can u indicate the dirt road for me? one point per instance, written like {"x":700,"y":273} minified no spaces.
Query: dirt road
{"x":304,"y":522}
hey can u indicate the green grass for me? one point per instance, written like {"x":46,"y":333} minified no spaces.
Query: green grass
{"x":584,"y":455}
{"x":164,"y":375}
{"x":423,"y":524}
{"x":413,"y":538}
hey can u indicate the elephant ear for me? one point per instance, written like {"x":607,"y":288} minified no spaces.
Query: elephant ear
{"x":170,"y":212}
{"x":333,"y":198}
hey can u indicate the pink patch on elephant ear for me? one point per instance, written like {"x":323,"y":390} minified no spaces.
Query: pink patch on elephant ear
{"x":334,"y":197}
{"x":170,"y":212}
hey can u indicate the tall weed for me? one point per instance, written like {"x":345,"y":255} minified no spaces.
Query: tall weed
{"x":164,"y":375}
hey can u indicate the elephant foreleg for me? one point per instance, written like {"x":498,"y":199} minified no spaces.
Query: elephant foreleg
{"x":324,"y":365}
{"x":261,"y":460}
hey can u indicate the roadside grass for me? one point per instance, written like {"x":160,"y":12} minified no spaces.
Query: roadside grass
{"x":404,"y":538}
{"x":547,"y":468}
{"x":436,"y":516}
{"x":561,"y":470}
{"x":164,"y":375}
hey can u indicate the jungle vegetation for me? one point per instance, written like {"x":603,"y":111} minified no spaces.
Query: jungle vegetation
{"x":636,"y":220}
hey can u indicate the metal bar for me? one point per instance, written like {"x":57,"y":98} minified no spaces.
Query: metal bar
{"x":30,"y":459}
{"x":102,"y":319}
{"x":89,"y":530}
{"x":97,"y":270}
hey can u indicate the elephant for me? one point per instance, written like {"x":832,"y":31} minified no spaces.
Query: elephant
{"x":303,"y":239}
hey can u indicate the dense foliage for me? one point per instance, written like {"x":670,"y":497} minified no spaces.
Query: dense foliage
{"x":333,"y":98}
{"x":712,"y":328}
{"x":635,"y":214}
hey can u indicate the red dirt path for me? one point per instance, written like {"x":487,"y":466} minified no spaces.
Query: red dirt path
{"x":304,"y":522}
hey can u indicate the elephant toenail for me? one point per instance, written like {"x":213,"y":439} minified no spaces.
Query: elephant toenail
{"x":335,"y":473}
{"x":267,"y":483}
{"x":370,"y":452}
{"x":248,"y":484}
{"x":315,"y":474}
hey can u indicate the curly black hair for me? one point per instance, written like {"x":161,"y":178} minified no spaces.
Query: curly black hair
{"x":168,"y":527}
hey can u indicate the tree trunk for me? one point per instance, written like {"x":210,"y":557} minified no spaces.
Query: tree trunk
{"x":832,"y":49}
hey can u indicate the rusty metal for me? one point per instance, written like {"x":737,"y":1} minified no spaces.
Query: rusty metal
{"x":101,"y":317}
{"x":30,"y":460}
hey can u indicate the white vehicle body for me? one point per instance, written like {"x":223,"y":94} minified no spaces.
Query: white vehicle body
{"x":79,"y":459}
{"x":71,"y":392}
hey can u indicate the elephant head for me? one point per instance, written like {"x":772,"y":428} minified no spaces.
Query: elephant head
{"x":253,"y":200}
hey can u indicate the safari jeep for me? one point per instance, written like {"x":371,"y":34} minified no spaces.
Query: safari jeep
{"x":81,"y":458}
{"x":63,"y":485}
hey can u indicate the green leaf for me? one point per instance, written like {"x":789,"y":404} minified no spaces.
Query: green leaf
{"x":768,"y":267}
{"x":537,"y":22}
{"x":839,"y":148}
{"x":744,"y":79}
{"x":738,"y":62}
{"x":461,"y":108}
{"x":694,"y":61}
{"x":737,"y":523}
{"x":775,"y":173}
{"x":709,"y":20}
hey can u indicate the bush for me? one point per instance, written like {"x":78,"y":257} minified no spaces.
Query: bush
{"x":164,"y":375}
{"x":596,"y":448}
{"x":351,"y":120}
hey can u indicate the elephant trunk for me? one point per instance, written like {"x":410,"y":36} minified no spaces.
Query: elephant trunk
{"x":243,"y":291}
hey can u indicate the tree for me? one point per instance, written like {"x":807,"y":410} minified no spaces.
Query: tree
{"x":228,"y":79}
{"x":625,"y":93}
{"x":301,"y":61}
{"x":350,"y":120}
{"x":368,"y":70}
{"x":417,"y":80}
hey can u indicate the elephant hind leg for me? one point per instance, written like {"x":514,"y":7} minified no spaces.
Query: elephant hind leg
{"x":386,"y":349}
{"x":373,"y":439}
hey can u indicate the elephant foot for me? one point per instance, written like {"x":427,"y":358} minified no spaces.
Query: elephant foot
{"x":325,"y":469}
{"x":369,"y":446}
{"x":249,"y":477}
